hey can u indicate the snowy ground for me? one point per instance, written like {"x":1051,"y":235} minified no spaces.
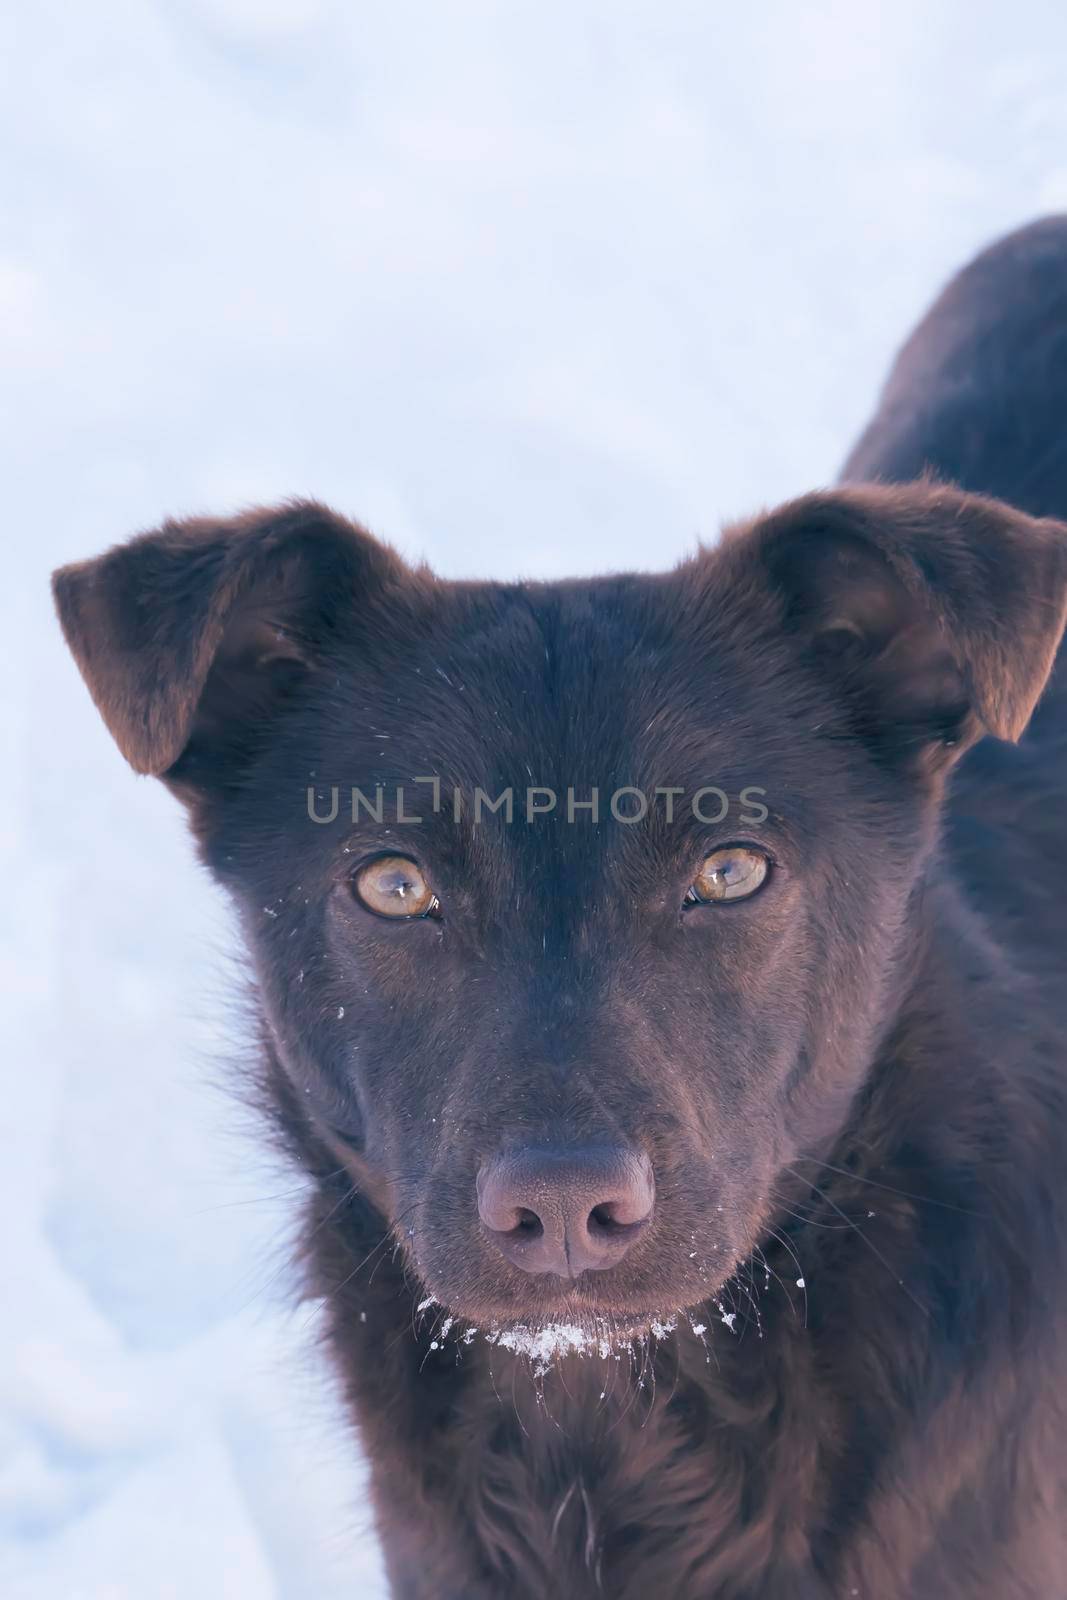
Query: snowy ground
{"x":527,"y":288}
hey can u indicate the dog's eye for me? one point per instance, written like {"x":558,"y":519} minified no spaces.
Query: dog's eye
{"x":393,"y":886}
{"x":728,"y":874}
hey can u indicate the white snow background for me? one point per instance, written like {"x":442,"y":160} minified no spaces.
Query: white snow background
{"x":527,"y":288}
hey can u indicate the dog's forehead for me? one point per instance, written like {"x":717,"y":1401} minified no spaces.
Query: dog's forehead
{"x":595,"y":682}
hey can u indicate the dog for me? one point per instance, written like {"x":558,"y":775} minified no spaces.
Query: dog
{"x":661,"y":978}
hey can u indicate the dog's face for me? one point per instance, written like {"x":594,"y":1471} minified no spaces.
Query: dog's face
{"x":573,"y":1056}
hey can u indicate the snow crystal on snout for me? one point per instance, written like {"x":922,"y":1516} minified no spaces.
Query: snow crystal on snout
{"x":543,"y":1344}
{"x":548,"y":1343}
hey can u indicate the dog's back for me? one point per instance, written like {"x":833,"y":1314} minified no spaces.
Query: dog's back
{"x":978,"y":392}
{"x":978,"y":397}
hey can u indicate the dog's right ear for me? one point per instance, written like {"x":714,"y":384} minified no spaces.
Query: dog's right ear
{"x":188,"y":637}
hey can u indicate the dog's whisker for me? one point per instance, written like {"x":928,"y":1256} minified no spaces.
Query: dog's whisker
{"x":802,"y":1282}
{"x":255,"y":1200}
{"x":287,"y":1267}
{"x":808,"y":1217}
{"x":770,"y":1273}
{"x":871,"y":1246}
{"x":874,"y":1183}
{"x":326,"y":1300}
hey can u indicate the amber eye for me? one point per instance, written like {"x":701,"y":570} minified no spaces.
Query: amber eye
{"x":393,"y":886}
{"x":728,"y":874}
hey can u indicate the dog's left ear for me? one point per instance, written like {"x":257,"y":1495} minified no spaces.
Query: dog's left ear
{"x":937,"y":613}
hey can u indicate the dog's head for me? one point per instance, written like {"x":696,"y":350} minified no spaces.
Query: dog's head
{"x":571,"y":1027}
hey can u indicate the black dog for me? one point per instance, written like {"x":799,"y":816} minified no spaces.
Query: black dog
{"x":689,"y":1155}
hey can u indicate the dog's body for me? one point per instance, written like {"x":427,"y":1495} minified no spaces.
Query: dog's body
{"x":853,"y":1090}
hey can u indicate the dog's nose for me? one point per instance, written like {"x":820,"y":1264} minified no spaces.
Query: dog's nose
{"x":565,"y":1211}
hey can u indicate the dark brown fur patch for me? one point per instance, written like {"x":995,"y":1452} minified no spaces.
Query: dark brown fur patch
{"x":851,"y":1089}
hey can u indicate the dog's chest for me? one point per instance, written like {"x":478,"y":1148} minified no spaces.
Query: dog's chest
{"x":599,"y":1484}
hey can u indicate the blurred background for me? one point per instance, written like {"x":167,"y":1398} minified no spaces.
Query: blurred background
{"x":528,"y":289}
